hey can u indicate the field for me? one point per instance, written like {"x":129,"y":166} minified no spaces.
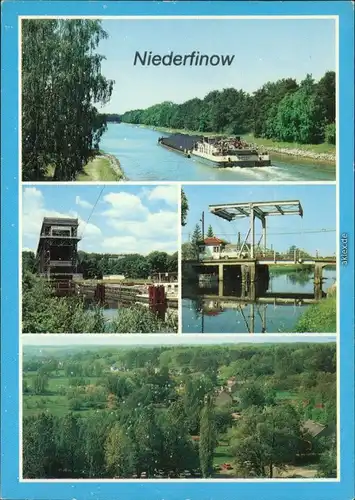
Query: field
{"x":53,"y":401}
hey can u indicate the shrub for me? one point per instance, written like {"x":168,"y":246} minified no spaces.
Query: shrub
{"x":330,"y":133}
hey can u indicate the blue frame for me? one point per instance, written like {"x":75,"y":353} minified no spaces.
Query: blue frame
{"x":199,"y":490}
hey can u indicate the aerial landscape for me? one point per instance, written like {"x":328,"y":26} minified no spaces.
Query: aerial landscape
{"x":244,"y":410}
{"x":259,"y":117}
{"x":259,"y":259}
{"x":100,"y":259}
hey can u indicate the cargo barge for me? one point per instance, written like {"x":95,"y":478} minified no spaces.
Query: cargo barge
{"x":220,"y":152}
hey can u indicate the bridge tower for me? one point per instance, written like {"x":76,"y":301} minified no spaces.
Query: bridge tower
{"x":260,"y":210}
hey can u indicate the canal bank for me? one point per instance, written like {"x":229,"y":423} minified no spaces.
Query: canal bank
{"x":141,"y":158}
{"x":103,"y":167}
{"x":319,"y":318}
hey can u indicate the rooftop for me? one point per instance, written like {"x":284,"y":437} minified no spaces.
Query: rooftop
{"x":213,"y":241}
{"x":313,"y":427}
{"x":59,"y":221}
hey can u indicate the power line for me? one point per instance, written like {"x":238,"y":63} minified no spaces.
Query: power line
{"x":282,"y":233}
{"x":92,"y":211}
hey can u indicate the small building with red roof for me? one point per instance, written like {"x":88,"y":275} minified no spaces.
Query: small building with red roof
{"x":211,"y":247}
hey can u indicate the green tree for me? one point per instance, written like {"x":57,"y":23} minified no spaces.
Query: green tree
{"x":266,"y":438}
{"x":69,"y":445}
{"x":61,"y":85}
{"x":208,"y":438}
{"x":195,"y":392}
{"x":94,"y":436}
{"x":196,"y":240}
{"x":327,"y":467}
{"x":325,"y":89}
{"x":118,"y":453}
{"x":40,"y":383}
{"x":158,"y":261}
{"x":330,"y":133}
{"x":252,"y":395}
{"x":210,"y":233}
{"x":184,"y":207}
{"x":39,"y":448}
{"x":147,"y":440}
{"x":188,"y":251}
{"x":42,"y":312}
{"x":179,"y":452}
{"x":28,"y":262}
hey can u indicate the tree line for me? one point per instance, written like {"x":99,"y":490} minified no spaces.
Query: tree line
{"x":283,"y":111}
{"x":62,"y":84}
{"x":133,"y":266}
{"x":113,"y":118}
{"x":156,"y":414}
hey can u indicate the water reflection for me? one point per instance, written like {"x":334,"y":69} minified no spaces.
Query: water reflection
{"x":267,"y":306}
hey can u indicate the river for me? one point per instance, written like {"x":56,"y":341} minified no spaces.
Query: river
{"x":142,"y":159}
{"x":202,"y":315}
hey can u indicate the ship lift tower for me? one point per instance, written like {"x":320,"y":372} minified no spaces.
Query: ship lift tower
{"x":256,"y":210}
{"x":57,"y":253}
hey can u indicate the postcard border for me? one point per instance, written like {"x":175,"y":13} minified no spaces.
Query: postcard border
{"x":10,"y":188}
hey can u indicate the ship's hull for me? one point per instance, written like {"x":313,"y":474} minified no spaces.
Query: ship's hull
{"x":225,"y":162}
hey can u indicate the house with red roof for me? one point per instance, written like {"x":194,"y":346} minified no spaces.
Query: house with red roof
{"x":211,"y":247}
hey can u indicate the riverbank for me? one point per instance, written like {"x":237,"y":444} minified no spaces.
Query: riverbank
{"x":319,"y":318}
{"x":291,"y":269}
{"x":103,"y":167}
{"x":318,"y":152}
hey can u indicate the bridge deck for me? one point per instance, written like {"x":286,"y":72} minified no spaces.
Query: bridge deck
{"x":261,"y":261}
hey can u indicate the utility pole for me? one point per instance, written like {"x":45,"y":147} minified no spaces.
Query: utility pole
{"x":203,"y":225}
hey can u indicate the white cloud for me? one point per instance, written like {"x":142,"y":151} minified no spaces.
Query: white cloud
{"x":129,"y":225}
{"x":82,"y":203}
{"x":126,"y":205}
{"x":131,"y":244}
{"x":34,"y":210}
{"x":158,"y":226}
{"x":169,"y":194}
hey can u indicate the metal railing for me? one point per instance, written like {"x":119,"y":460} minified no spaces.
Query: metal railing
{"x":296,"y":256}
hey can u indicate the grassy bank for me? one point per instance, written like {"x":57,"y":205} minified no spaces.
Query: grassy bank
{"x":321,"y":152}
{"x":291,"y":269}
{"x":102,"y":167}
{"x":313,"y":148}
{"x":98,"y":169}
{"x":319,"y":318}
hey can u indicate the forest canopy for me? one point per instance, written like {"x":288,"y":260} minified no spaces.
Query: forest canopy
{"x":180,"y":411}
{"x":134,"y":266}
{"x":283,"y":111}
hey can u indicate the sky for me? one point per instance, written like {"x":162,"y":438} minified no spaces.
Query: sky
{"x":130,"y":219}
{"x":157,"y":340}
{"x":319,"y":212}
{"x":265,"y":50}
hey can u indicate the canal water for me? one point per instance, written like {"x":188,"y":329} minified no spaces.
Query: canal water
{"x":143,"y":159}
{"x":201,"y":315}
